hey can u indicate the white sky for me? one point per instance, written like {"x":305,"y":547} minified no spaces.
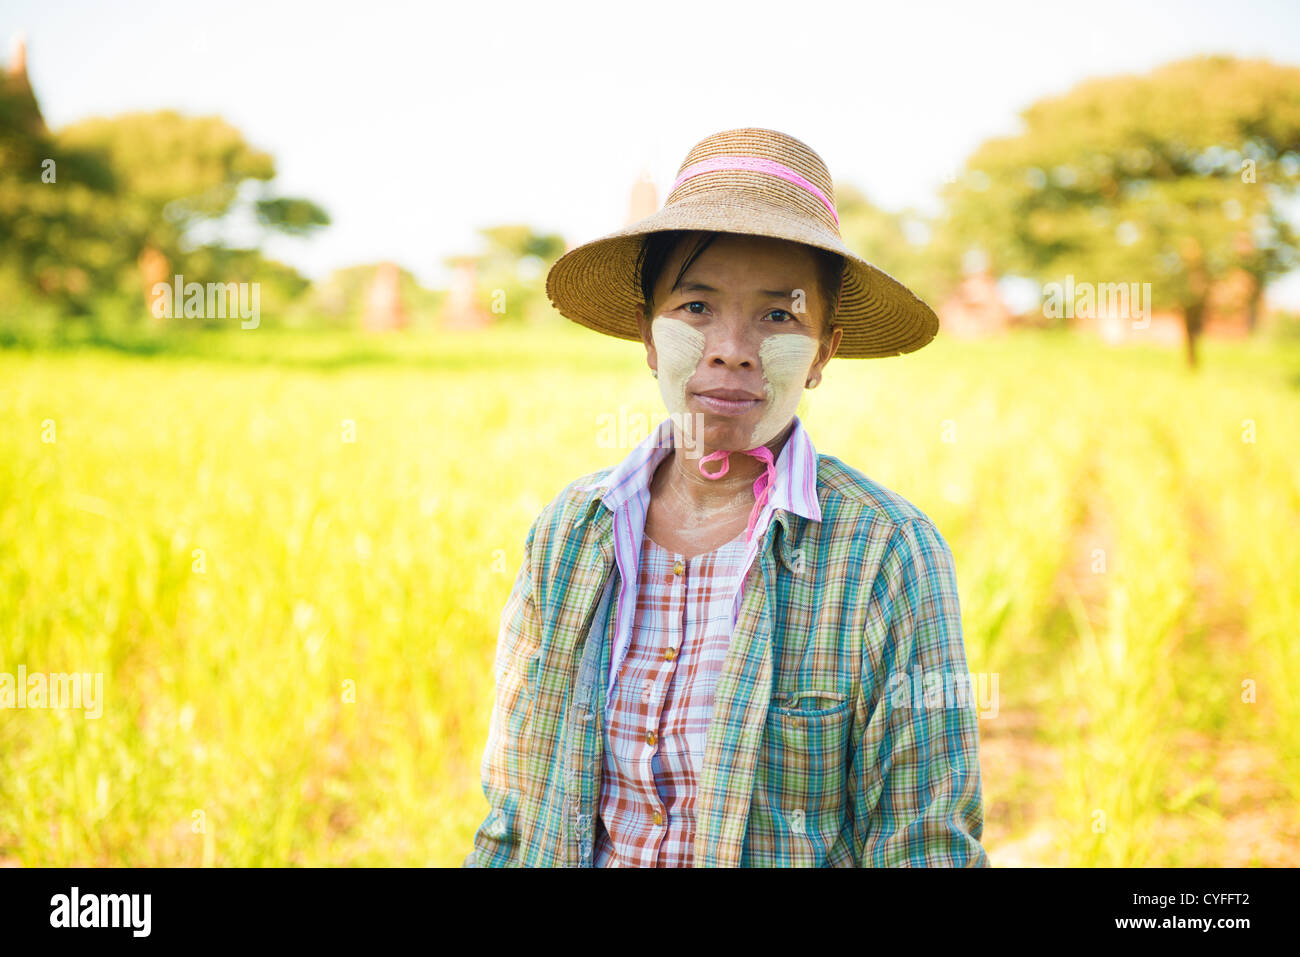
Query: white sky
{"x":413,"y":125}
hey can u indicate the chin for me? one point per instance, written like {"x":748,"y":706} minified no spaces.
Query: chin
{"x":725,"y":433}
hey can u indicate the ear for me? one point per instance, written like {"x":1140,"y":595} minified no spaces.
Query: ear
{"x":825,"y":352}
{"x":836,"y":336}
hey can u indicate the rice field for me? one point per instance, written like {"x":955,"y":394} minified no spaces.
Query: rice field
{"x":287,"y":555}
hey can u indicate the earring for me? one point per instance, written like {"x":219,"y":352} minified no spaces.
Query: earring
{"x":655,"y":373}
{"x":812,"y":383}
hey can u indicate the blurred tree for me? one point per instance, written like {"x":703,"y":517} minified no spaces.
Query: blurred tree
{"x":176,"y":174}
{"x":278,"y":284}
{"x":1174,"y":178}
{"x":56,"y":236}
{"x":296,"y":217}
{"x":93,"y":215}
{"x":517,"y":240}
{"x":106,"y":207}
{"x":510,"y":274}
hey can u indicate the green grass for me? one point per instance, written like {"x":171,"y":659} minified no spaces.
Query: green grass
{"x":296,"y":631}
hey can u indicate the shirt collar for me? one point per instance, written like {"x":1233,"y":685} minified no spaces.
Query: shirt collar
{"x":795,"y":488}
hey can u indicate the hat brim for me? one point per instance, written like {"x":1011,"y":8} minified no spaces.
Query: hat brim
{"x":595,"y":284}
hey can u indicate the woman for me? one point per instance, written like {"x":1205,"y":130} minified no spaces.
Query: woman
{"x":718,"y":659}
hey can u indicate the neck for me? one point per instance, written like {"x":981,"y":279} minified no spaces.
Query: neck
{"x":734,"y":492}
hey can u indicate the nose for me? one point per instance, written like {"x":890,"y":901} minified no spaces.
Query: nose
{"x":730,"y":343}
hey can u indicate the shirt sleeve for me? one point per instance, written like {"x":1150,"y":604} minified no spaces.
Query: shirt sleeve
{"x":915,"y":773}
{"x":496,"y":842}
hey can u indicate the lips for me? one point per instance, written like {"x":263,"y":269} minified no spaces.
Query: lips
{"x":732,"y":402}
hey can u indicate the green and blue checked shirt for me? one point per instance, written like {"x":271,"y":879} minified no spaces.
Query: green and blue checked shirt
{"x":819,"y":752}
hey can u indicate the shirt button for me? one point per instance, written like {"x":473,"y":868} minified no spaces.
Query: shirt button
{"x":670,"y":654}
{"x":677,"y":568}
{"x":659,"y":818}
{"x":651,"y":737}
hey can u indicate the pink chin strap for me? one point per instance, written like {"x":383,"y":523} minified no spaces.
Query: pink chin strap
{"x":762,"y":487}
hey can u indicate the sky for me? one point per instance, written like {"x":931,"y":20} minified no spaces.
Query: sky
{"x":416,"y":124}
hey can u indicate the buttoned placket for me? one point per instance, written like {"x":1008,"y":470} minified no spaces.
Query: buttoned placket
{"x":653,"y":694}
{"x":739,"y":708}
{"x":592,"y":694}
{"x":656,"y":691}
{"x":593,"y":690}
{"x":752,"y":630}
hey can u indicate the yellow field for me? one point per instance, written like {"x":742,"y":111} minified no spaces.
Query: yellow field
{"x":296,"y":630}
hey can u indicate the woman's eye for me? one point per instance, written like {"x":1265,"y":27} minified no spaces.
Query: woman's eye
{"x":782,"y":312}
{"x":695,"y":303}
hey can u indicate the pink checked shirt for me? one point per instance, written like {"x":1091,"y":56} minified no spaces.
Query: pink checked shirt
{"x":673,"y":628}
{"x":655,"y":741}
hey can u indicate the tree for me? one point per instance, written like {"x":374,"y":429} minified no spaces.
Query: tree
{"x":56,"y":205}
{"x":179,"y":176}
{"x":1173,"y":178}
{"x":512,"y":270}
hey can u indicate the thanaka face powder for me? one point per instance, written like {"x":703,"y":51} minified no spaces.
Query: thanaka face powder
{"x":784,"y":359}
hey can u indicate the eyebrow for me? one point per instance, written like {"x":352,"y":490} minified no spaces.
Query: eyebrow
{"x":694,"y":286}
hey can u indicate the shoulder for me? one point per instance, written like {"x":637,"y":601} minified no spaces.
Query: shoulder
{"x":843,"y":488}
{"x":855,"y":505}
{"x":567,"y":509}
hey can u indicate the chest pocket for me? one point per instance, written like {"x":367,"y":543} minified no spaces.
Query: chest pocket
{"x":801,"y":769}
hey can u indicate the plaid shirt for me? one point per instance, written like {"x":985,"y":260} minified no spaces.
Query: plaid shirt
{"x":654,"y":740}
{"x":818,"y":752}
{"x":626,"y":491}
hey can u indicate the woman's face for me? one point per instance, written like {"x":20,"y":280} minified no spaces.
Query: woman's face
{"x":738,"y":338}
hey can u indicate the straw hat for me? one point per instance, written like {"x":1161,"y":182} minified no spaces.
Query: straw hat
{"x":761,"y":183}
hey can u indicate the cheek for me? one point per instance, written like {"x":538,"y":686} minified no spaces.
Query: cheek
{"x":679,"y":348}
{"x":786,"y":360}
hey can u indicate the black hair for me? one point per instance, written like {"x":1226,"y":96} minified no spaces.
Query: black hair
{"x":657,"y":247}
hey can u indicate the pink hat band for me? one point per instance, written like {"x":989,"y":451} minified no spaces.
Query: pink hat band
{"x":753,"y":164}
